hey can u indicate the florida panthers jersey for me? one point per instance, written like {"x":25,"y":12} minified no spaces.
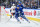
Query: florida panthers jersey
{"x":13,"y":9}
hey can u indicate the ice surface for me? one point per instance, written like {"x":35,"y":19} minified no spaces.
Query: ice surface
{"x":13,"y":23}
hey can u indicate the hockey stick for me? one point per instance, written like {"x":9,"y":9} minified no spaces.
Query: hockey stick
{"x":8,"y":20}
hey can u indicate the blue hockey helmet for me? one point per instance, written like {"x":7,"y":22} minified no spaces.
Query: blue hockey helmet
{"x":19,"y":2}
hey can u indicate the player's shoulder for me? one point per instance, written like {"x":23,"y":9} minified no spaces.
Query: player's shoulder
{"x":11,"y":6}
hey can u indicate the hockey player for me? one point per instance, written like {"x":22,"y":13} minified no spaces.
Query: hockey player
{"x":12,"y":10}
{"x":19,"y":12}
{"x":21,"y":6}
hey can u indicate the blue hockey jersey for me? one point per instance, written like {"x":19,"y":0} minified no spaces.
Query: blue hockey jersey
{"x":19,"y":11}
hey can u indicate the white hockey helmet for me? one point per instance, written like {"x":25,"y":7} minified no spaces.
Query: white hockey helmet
{"x":13,"y":4}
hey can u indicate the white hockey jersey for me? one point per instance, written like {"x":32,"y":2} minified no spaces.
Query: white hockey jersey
{"x":13,"y":9}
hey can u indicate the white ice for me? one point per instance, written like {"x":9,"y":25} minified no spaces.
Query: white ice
{"x":13,"y":23}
